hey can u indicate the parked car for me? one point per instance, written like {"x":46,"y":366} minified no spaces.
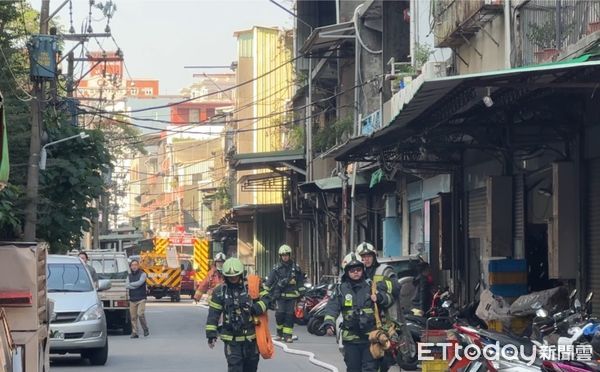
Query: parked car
{"x":78,"y":323}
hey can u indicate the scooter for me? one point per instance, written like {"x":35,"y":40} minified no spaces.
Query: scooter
{"x":310,"y":299}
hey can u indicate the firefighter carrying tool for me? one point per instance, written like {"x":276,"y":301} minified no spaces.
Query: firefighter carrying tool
{"x":162,"y":280}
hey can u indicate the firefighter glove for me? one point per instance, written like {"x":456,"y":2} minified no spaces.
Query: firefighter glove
{"x":212,"y":341}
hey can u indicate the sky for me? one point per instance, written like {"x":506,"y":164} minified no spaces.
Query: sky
{"x":160,"y":37}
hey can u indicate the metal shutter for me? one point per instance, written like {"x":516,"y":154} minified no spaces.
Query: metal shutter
{"x":519,"y":213}
{"x":593,"y":231}
{"x":477,"y":214}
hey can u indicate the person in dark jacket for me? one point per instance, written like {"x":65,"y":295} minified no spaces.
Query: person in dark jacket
{"x":232,"y":301}
{"x":285,"y":285}
{"x":424,"y":289}
{"x":354,"y":299}
{"x":136,"y":284}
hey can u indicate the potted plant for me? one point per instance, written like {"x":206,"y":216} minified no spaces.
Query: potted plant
{"x":544,"y":37}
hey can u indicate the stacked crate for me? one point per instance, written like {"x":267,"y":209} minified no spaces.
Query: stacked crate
{"x":508,"y":278}
{"x":438,"y":330}
{"x":23,"y":295}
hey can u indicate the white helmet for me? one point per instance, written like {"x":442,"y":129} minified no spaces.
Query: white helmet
{"x":365,"y":248}
{"x":220,"y":257}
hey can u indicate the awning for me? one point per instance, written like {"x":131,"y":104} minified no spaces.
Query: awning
{"x":438,"y":100}
{"x":331,"y":184}
{"x":326,"y":37}
{"x":293,"y":159}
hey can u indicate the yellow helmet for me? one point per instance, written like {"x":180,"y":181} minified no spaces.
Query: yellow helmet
{"x":233,"y":267}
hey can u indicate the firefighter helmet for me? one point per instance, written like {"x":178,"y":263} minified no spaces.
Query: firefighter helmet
{"x":233,"y":267}
{"x":285,"y":249}
{"x":220,"y":257}
{"x":352,"y":260}
{"x":365,"y":248}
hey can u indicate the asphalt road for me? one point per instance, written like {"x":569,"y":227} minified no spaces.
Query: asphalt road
{"x":177,"y":343}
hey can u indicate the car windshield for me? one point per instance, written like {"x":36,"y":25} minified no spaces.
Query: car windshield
{"x":68,"y":278}
{"x":110,"y":267}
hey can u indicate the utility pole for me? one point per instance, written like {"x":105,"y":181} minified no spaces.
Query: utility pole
{"x":33,"y":171}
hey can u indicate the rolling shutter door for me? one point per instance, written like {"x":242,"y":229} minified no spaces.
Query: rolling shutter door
{"x":593,"y":231}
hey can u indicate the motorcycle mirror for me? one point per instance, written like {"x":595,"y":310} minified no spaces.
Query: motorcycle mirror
{"x":589,"y":297}
{"x":572,"y":295}
{"x":542,"y":313}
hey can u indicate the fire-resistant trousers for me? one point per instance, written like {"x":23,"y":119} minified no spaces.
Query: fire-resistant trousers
{"x":284,"y":316}
{"x":242,"y":356}
{"x":358,"y":358}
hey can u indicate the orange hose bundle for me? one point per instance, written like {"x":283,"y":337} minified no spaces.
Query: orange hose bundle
{"x":263,"y":334}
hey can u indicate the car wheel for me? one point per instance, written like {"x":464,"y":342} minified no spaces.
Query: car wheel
{"x":158,"y":297}
{"x":97,"y":357}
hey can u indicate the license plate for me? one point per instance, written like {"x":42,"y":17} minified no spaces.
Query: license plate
{"x":57,"y":335}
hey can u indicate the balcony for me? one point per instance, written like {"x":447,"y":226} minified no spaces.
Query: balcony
{"x":458,"y":20}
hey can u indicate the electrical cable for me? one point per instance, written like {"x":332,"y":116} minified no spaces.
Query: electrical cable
{"x":357,"y":32}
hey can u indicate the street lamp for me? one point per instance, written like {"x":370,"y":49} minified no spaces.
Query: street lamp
{"x":44,"y":153}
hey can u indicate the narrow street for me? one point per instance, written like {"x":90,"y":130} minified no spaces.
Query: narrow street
{"x":177,"y":343}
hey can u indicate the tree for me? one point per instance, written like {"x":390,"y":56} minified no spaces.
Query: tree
{"x":75,"y":170}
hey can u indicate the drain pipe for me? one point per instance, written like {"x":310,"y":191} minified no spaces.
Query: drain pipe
{"x":507,"y":41}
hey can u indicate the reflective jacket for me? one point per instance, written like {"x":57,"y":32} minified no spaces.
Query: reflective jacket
{"x":353,"y":301}
{"x":233,"y":302}
{"x":286,"y":281}
{"x":387,"y":275}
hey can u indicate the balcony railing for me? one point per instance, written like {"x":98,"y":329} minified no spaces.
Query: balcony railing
{"x":458,"y":20}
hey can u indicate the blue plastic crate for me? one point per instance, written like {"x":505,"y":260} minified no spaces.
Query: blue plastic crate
{"x":507,"y":265}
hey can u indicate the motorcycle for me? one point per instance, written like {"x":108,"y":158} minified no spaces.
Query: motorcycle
{"x":310,"y":299}
{"x":316,"y":317}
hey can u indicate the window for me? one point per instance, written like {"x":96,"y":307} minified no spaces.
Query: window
{"x":133,"y":91}
{"x":194,"y":116}
{"x":204,"y":91}
{"x":148,"y":91}
{"x":68,"y":278}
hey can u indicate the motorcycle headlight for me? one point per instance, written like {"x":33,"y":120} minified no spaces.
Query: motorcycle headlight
{"x":93,"y":313}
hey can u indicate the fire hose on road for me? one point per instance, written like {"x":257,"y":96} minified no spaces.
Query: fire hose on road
{"x":286,"y":349}
{"x":311,"y":356}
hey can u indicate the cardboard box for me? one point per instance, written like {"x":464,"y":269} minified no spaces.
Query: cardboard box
{"x":35,"y":349}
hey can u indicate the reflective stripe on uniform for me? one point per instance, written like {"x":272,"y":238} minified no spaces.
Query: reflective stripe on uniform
{"x":291,"y":294}
{"x":238,"y":338}
{"x":210,"y":327}
{"x":329,"y":317}
{"x":262,"y":305}
{"x":288,"y":331}
{"x":388,"y":283}
{"x":215,"y":305}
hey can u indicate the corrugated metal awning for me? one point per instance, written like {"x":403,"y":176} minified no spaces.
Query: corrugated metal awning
{"x":443,"y":98}
{"x":325,"y":37}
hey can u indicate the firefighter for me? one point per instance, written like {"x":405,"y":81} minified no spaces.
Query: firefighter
{"x":213,"y":279}
{"x":374,"y":271}
{"x":285,"y":285}
{"x":231,"y":300}
{"x":354,"y":299}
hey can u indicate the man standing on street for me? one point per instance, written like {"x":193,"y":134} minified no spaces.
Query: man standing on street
{"x":84,"y":257}
{"x":213,"y":279}
{"x":232,"y":301}
{"x":136,"y":284}
{"x":286,"y":285}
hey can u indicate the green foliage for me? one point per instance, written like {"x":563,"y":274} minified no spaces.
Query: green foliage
{"x":73,"y":179}
{"x":422,"y":54}
{"x":296,"y":137}
{"x":329,"y":135}
{"x":544,"y":35}
{"x":74,"y":173}
{"x":223,"y":196}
